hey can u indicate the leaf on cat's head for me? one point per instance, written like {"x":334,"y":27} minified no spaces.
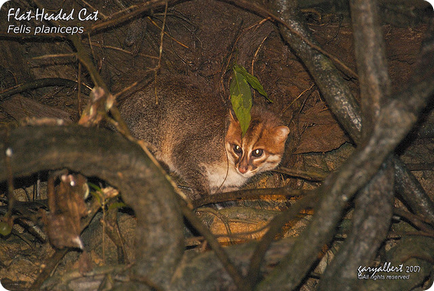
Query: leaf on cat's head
{"x":241,"y":99}
{"x":241,"y":112}
{"x":252,"y":80}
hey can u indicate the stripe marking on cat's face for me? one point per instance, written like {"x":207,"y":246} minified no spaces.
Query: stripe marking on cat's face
{"x":260,"y":149}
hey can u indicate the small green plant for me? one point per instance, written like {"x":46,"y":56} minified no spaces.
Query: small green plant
{"x":103,"y":199}
{"x":241,"y":95}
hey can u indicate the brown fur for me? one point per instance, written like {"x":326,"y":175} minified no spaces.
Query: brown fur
{"x":192,"y":132}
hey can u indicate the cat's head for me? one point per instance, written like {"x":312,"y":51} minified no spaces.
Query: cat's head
{"x":261,"y":148}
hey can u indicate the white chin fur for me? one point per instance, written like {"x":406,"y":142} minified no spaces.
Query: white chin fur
{"x":247,"y":174}
{"x":222,"y":178}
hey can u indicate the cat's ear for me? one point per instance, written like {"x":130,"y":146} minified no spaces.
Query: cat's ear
{"x":233,"y":132}
{"x":281,"y":133}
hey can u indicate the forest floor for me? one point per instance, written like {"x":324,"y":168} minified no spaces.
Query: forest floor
{"x":202,"y":38}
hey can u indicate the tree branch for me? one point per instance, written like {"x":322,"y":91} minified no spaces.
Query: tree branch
{"x":104,"y":154}
{"x":374,"y":203}
{"x":395,"y":121}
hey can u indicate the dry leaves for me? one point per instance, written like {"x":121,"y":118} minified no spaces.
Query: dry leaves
{"x":67,"y":207}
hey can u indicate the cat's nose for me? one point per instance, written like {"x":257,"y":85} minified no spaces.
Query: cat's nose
{"x":243,"y":169}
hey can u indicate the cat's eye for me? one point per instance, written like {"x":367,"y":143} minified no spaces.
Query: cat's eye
{"x":257,"y":153}
{"x":238,"y":150}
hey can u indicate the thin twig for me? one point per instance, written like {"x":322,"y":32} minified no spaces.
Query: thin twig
{"x":249,"y":194}
{"x":416,"y":220}
{"x":165,"y":32}
{"x":39,"y":83}
{"x":317,"y":176}
{"x":79,"y":101}
{"x":122,"y":50}
{"x":128,"y":13}
{"x":160,"y":53}
{"x":54,"y":56}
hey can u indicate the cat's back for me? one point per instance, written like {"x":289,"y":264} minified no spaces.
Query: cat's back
{"x":175,"y":113}
{"x":172,"y":102}
{"x":192,"y":132}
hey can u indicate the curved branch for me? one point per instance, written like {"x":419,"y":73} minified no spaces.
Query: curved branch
{"x":344,"y":106}
{"x":374,"y":203}
{"x":159,"y":234}
{"x":97,"y":152}
{"x":395,"y":121}
{"x":341,"y":102}
{"x":338,"y":95}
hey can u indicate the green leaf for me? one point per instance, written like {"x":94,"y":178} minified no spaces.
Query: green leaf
{"x":117,"y":205}
{"x":252,"y":80}
{"x":94,"y":186}
{"x":97,"y":192}
{"x":241,"y":99}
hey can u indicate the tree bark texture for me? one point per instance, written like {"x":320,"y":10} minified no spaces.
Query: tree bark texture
{"x":374,"y":203}
{"x":93,"y":152}
{"x":394,"y":121}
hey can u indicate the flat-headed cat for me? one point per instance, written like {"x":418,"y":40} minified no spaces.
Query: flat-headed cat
{"x":198,"y":138}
